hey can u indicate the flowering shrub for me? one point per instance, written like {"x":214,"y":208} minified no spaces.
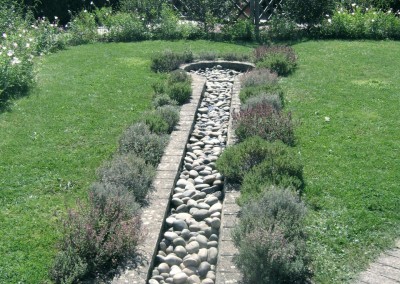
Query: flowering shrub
{"x":130,"y":173}
{"x":125,"y":27}
{"x":361,"y":23}
{"x":236,"y":161}
{"x":97,"y":237}
{"x":259,"y":77}
{"x":265,"y":121}
{"x":83,"y":28}
{"x":48,"y":37}
{"x":274,"y":99}
{"x":138,"y":139}
{"x":279,"y":59}
{"x":271,"y":239}
{"x":16,"y":64}
{"x":168,"y":60}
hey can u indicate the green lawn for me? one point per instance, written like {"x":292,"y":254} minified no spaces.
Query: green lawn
{"x":352,"y":165}
{"x":52,"y":141}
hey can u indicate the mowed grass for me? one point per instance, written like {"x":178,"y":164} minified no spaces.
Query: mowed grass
{"x":52,"y":141}
{"x":352,"y":165}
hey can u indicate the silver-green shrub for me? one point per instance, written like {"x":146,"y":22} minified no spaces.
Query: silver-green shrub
{"x":138,"y":139}
{"x":271,"y":239}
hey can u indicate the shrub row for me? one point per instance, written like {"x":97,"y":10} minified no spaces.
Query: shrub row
{"x":271,"y":239}
{"x":270,"y":234}
{"x":98,"y":236}
{"x":361,"y":23}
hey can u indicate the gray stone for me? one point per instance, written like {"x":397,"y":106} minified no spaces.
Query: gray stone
{"x":211,"y":275}
{"x":153,"y":281}
{"x":172,"y":259}
{"x":209,"y":179}
{"x":180,"y":278}
{"x":212,"y":244}
{"x":207,"y":281}
{"x":194,"y":279}
{"x":190,"y":270}
{"x":211,"y":200}
{"x":193,"y":174}
{"x":202,"y":186}
{"x":192,"y":247}
{"x":191,"y":261}
{"x":170,"y":236}
{"x":163,"y":268}
{"x":202,"y":240}
{"x":179,"y":242}
{"x":203,"y":254}
{"x":213,"y":237}
{"x":185,"y":234}
{"x":203,"y":205}
{"x":199,"y":195}
{"x":175,"y":269}
{"x":217,"y":207}
{"x":176,"y":202}
{"x":182,"y":216}
{"x":182,"y":208}
{"x":179,"y":225}
{"x":201,"y":214}
{"x":203,"y":268}
{"x":180,"y":251}
{"x":181,"y":183}
{"x":212,"y":255}
{"x":215,"y":223}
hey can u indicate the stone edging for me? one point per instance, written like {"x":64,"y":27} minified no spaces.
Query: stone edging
{"x":235,"y":65}
{"x":154,"y":215}
{"x":227,"y":272}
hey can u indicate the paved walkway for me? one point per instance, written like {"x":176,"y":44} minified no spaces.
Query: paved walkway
{"x":385,"y":270}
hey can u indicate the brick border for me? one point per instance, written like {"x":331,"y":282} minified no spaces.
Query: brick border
{"x":227,"y":272}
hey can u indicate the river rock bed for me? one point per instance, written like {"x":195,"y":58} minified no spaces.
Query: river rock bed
{"x":188,"y":249}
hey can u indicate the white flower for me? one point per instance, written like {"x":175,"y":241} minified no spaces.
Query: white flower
{"x":55,"y":18}
{"x":20,"y":35}
{"x":15,"y":44}
{"x":30,"y":39}
{"x":10,"y":53}
{"x":330,"y":21}
{"x":91,"y":3}
{"x":85,"y":11}
{"x":352,"y":14}
{"x":366,"y":9}
{"x":28,"y":45}
{"x":373,"y":20}
{"x":1,"y":53}
{"x":353,"y":5}
{"x":4,"y":48}
{"x":15,"y":60}
{"x":4,"y":35}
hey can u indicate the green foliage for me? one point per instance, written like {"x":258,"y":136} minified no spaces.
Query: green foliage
{"x":273,"y":99}
{"x":384,"y":5}
{"x":279,"y":59}
{"x":124,"y":27}
{"x":281,"y":28}
{"x":129,"y":172}
{"x":96,"y":238}
{"x":242,"y":30}
{"x":166,"y":26}
{"x":271,"y":240}
{"x":169,"y":114}
{"x":281,"y":168}
{"x":258,"y":77}
{"x":178,"y":76}
{"x":138,"y":139}
{"x":155,"y":123}
{"x":180,"y":92}
{"x":208,"y":12}
{"x":168,"y":60}
{"x":83,"y":28}
{"x":268,"y":89}
{"x":236,"y":161}
{"x":307,"y":11}
{"x":162,"y":100}
{"x":150,"y":10}
{"x":17,"y":49}
{"x":48,"y":37}
{"x":265,"y":121}
{"x":361,"y":23}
